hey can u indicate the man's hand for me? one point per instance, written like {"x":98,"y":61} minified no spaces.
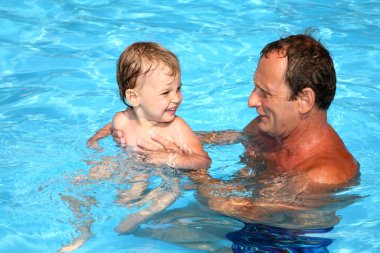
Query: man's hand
{"x":160,"y":143}
{"x":162,"y":151}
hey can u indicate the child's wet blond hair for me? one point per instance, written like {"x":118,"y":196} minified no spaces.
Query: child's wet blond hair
{"x":140,"y":58}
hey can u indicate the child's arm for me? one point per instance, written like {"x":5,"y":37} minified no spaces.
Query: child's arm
{"x":115,"y":128}
{"x":186,"y":152}
{"x":100,"y":134}
{"x":118,"y":125}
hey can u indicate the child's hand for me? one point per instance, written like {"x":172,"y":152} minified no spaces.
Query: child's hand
{"x":118,"y":136}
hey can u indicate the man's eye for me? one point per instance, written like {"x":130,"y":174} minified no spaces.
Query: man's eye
{"x":264,"y":93}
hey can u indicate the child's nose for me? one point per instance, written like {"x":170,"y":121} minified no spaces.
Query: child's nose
{"x":177,"y":98}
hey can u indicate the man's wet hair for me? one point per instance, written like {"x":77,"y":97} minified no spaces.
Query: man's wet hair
{"x":309,"y":64}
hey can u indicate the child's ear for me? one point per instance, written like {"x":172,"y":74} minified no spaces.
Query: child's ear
{"x":306,"y":100}
{"x":132,"y":97}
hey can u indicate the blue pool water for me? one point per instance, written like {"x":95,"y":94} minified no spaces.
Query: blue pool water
{"x":57,"y":87}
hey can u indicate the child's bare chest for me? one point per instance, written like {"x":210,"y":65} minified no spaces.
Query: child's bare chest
{"x":134,"y":134}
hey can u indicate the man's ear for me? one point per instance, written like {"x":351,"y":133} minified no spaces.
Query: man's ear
{"x":306,"y":100}
{"x":132,"y":97}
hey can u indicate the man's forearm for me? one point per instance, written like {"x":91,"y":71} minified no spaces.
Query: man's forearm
{"x":179,"y":160}
{"x":191,"y":161}
{"x":220,"y":137}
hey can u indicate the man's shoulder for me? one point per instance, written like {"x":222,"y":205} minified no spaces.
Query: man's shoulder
{"x":331,"y":162}
{"x":331,"y":169}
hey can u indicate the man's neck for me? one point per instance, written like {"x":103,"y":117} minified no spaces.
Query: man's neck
{"x":299,"y":145}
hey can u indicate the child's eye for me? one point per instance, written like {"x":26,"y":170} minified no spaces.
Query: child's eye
{"x":165,"y":93}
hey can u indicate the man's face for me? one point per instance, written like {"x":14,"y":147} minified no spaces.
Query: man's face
{"x":278,"y":116}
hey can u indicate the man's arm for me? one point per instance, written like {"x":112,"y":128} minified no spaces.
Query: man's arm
{"x":219,"y":137}
{"x":207,"y":137}
{"x":169,"y":153}
{"x":251,"y":200}
{"x":226,"y":137}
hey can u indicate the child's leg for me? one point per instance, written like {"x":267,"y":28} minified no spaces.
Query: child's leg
{"x":161,"y":198}
{"x":77,"y":207}
{"x":139,"y":185}
{"x":78,"y":242}
{"x":103,"y":170}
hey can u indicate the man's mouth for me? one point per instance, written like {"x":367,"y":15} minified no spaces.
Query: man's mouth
{"x":262,"y":116}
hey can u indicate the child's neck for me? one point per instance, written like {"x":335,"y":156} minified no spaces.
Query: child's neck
{"x":143,"y":121}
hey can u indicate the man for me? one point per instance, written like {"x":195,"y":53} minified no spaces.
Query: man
{"x":295,"y":84}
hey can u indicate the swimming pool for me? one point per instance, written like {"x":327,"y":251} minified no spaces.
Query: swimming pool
{"x":57,"y":73}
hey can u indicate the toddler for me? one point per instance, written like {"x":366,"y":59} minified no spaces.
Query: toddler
{"x":149,"y":79}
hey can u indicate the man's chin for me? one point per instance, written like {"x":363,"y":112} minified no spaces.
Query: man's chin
{"x":264,"y":128}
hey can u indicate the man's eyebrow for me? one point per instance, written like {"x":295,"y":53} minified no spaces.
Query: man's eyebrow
{"x":261,"y":88}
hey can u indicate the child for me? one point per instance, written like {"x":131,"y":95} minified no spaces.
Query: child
{"x":149,"y":80}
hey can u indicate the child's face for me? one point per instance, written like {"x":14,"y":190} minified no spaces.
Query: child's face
{"x":160,"y":95}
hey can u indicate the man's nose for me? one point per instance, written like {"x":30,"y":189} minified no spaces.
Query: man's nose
{"x":253,"y":100}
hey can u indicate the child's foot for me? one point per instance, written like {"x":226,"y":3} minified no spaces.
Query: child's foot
{"x":79,"y":241}
{"x":131,"y":223}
